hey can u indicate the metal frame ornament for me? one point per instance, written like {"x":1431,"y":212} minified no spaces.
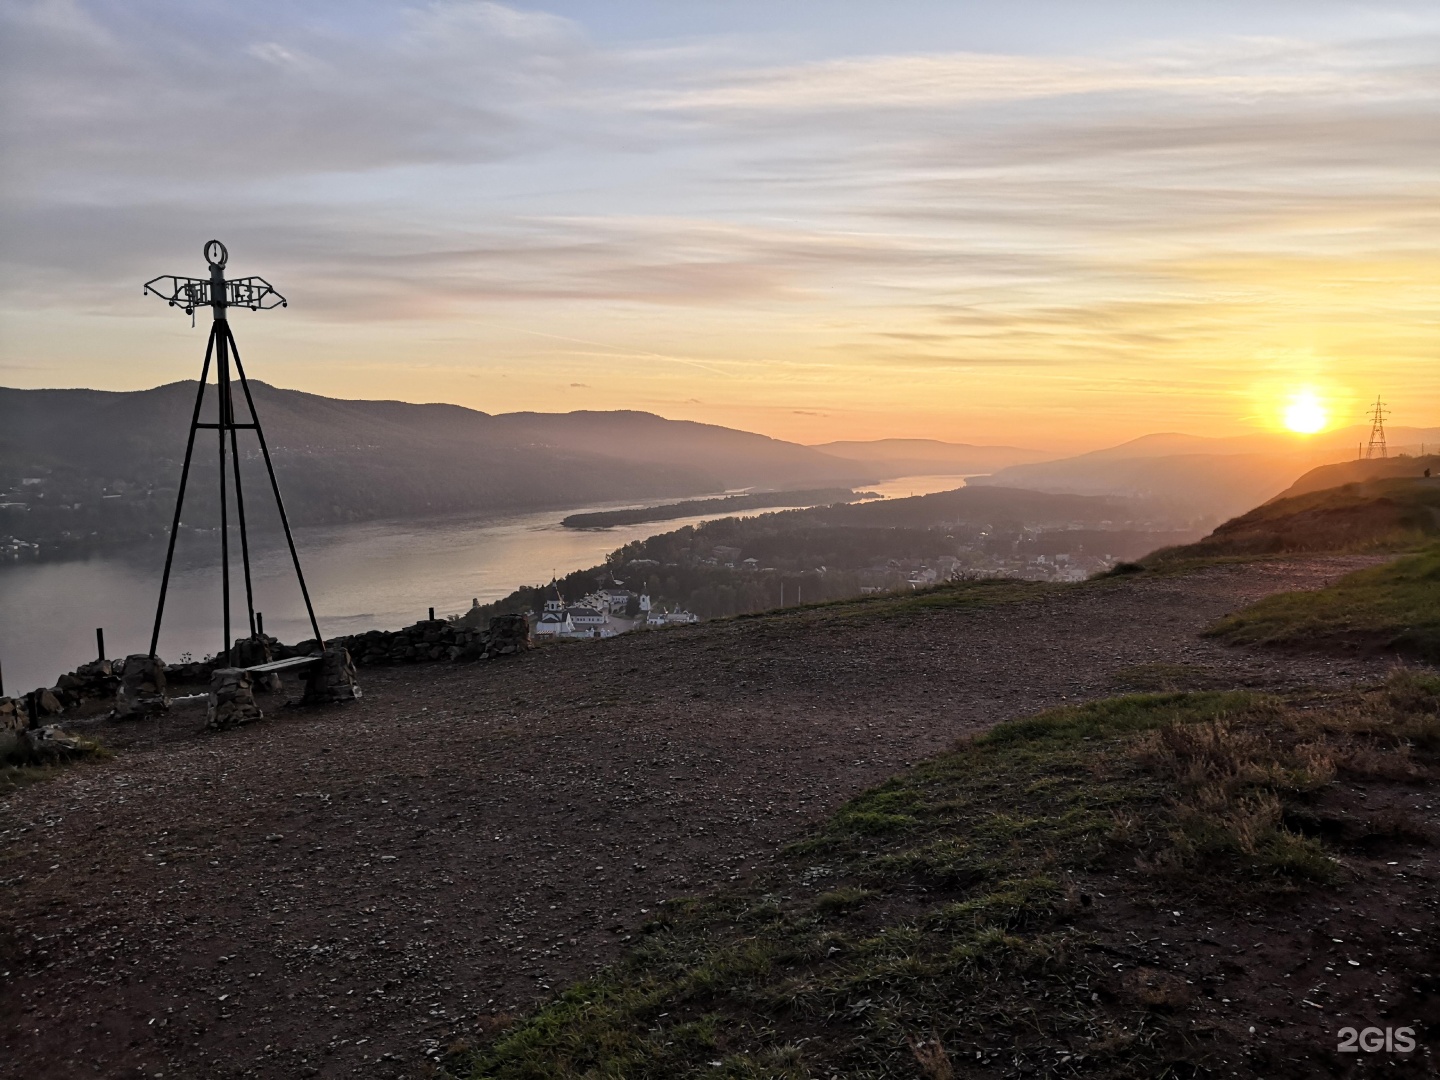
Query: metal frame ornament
{"x":219,"y":294}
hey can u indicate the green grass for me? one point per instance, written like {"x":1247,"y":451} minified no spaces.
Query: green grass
{"x":1395,"y":607}
{"x":934,"y":915}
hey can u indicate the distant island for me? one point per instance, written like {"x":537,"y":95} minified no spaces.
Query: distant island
{"x":604,"y":519}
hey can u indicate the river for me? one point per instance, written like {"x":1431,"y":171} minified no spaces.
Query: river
{"x":377,"y":575}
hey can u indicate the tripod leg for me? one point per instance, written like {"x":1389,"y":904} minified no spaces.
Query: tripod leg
{"x":180,"y":496}
{"x":244,"y":540}
{"x":222,"y":373}
{"x":275,"y":487}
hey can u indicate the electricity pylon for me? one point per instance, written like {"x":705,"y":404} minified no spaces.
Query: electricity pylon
{"x":1376,"y":446}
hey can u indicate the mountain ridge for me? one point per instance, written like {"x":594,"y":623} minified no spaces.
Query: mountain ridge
{"x":915,"y":457}
{"x":1207,"y":479}
{"x":105,"y":464}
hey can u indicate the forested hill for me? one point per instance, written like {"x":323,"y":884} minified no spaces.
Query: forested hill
{"x":104,"y":466}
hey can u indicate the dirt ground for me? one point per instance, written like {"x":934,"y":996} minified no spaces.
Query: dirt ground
{"x":343,"y":891}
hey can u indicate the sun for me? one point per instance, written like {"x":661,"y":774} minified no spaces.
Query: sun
{"x":1305,"y":415}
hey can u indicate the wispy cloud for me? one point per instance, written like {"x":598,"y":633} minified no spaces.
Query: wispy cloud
{"x":821,"y":223}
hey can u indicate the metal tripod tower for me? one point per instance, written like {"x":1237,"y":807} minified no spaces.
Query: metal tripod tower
{"x":256,"y":294}
{"x":1376,"y":446}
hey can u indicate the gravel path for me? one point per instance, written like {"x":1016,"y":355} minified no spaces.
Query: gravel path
{"x":341,"y":891}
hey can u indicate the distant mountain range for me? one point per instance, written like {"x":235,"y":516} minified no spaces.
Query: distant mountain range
{"x":92,"y":466}
{"x":1189,"y":477}
{"x":88,"y":466}
{"x":917,"y":457}
{"x":379,"y":455}
{"x":341,"y":460}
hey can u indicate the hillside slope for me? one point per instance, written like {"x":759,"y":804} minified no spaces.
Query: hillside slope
{"x":985,"y":908}
{"x":1389,"y":514}
{"x":1355,"y":472}
{"x":356,"y":889}
{"x":1393,"y":608}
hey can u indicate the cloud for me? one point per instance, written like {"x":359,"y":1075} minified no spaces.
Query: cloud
{"x":842,"y":218}
{"x":98,"y":93}
{"x":1241,"y":70}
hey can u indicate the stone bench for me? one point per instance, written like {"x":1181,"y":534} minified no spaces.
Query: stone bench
{"x":331,"y":676}
{"x":276,"y":666}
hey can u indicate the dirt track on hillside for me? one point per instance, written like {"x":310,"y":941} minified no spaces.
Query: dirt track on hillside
{"x":339,"y":892}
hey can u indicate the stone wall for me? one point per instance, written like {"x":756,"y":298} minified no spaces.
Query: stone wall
{"x":142,"y":688}
{"x":95,"y":680}
{"x":13,"y":723}
{"x":232,"y":699}
{"x":331,"y":680}
{"x":425,"y":642}
{"x":437,"y":639}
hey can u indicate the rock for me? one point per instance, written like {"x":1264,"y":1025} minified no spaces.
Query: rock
{"x":95,"y":669}
{"x":232,"y":699}
{"x":332,"y":679}
{"x":49,"y":743}
{"x":510,"y":632}
{"x":46,"y":703}
{"x":13,"y":722}
{"x":247,"y":652}
{"x":142,"y":688}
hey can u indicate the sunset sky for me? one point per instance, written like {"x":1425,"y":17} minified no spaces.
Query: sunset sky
{"x":1048,"y":224}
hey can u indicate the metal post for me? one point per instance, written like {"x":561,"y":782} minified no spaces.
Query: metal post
{"x":180,"y":497}
{"x":260,"y":623}
{"x":432,"y":614}
{"x":275,"y":487}
{"x":244,"y":537}
{"x":100,"y":642}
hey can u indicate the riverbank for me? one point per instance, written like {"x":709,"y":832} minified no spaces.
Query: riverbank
{"x":378,"y":575}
